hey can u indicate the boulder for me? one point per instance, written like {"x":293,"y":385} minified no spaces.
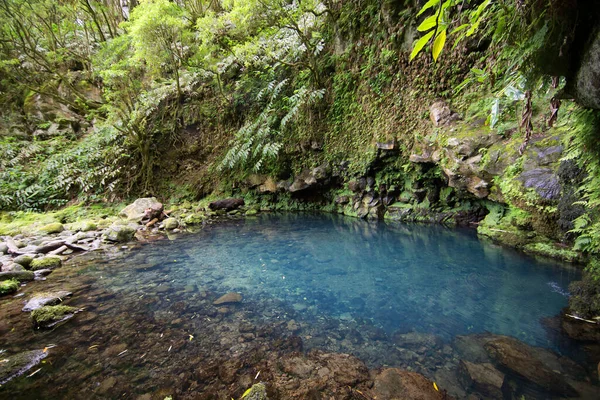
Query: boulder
{"x":269,"y":186}
{"x":55,"y":227}
{"x":310,"y":178}
{"x":119,"y":233}
{"x":3,"y":248}
{"x":396,"y":384}
{"x":226,"y":204}
{"x":40,"y":300}
{"x":170,"y":223}
{"x":441,"y":114}
{"x":138,"y":209}
{"x":16,"y":365}
{"x":544,"y":181}
{"x":482,"y":378}
{"x":229,"y":298}
{"x":45,"y":263}
{"x":536,"y":365}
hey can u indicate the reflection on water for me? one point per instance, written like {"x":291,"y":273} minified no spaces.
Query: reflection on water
{"x":327,"y":282}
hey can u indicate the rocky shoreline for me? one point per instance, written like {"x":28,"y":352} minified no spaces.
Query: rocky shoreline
{"x":490,"y":365}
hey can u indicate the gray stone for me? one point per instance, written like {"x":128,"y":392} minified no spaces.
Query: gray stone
{"x":12,"y":267}
{"x":137,"y":210}
{"x":40,"y":300}
{"x":119,"y":233}
{"x":544,"y":181}
{"x":25,"y":260}
{"x":229,"y":298}
{"x":3,"y":248}
{"x":171,"y":223}
{"x":441,"y":114}
{"x":18,"y":275}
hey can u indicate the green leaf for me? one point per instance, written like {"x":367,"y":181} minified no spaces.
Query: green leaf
{"x":438,"y":44}
{"x":428,"y":23}
{"x":428,"y":5}
{"x":420,"y":44}
{"x":460,"y":28}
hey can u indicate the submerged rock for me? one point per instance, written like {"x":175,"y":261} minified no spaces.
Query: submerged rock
{"x":482,"y":378}
{"x":393,"y":383}
{"x":258,"y":391}
{"x":229,"y":298}
{"x":536,"y":365}
{"x":43,"y":299}
{"x":16,"y":365}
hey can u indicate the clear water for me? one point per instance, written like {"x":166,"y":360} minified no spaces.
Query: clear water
{"x":339,"y":284}
{"x":398,"y":277}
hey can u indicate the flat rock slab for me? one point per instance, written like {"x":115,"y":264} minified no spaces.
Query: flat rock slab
{"x":45,"y":299}
{"x":229,"y":298}
{"x":20,"y":363}
{"x":483,"y":378}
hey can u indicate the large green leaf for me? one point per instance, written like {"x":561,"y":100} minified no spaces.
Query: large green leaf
{"x":438,"y":44}
{"x":428,"y":5}
{"x":428,"y":23}
{"x":420,"y":44}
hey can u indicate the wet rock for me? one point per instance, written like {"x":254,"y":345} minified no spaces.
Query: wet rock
{"x":226,"y":204}
{"x":582,"y":330}
{"x":18,"y":275}
{"x":357,"y":185}
{"x":55,"y":227}
{"x":25,"y":260}
{"x":20,"y":363}
{"x":137,"y":210}
{"x":229,"y":298}
{"x":119,"y":233}
{"x":50,"y":316}
{"x":40,"y":273}
{"x":396,"y":384}
{"x":39,"y":300}
{"x":534,"y":364}
{"x":3,"y":248}
{"x":482,"y":378}
{"x":107,"y":385}
{"x":470,"y":347}
{"x":415,"y":340}
{"x":170,"y":223}
{"x":45,"y":263}
{"x":441,"y":114}
{"x":544,"y":181}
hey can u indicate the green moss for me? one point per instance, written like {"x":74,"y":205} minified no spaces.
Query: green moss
{"x":48,"y":314}
{"x":55,"y":227}
{"x":552,"y":251}
{"x":8,"y":287}
{"x":45,"y":263}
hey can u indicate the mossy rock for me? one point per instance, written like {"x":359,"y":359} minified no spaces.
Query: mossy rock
{"x":8,"y":287}
{"x":171,"y":223}
{"x":45,"y":263}
{"x":251,"y":212}
{"x":55,"y":227}
{"x":552,"y":251}
{"x":24,"y":260}
{"x":49,"y":316}
{"x":119,"y":233}
{"x":194,"y":219}
{"x":85,"y":226}
{"x":18,"y":275}
{"x":258,"y":391}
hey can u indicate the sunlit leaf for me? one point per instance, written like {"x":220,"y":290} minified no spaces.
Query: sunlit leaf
{"x":428,"y":5}
{"x":420,"y":44}
{"x":438,"y":44}
{"x":428,"y":23}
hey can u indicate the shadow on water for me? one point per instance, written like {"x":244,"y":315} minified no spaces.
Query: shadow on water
{"x":308,"y":281}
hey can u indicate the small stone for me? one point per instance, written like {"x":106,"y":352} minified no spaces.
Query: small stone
{"x":229,"y":298}
{"x":55,"y":227}
{"x":170,"y":223}
{"x":45,"y":263}
{"x":119,"y":233}
{"x":25,"y":260}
